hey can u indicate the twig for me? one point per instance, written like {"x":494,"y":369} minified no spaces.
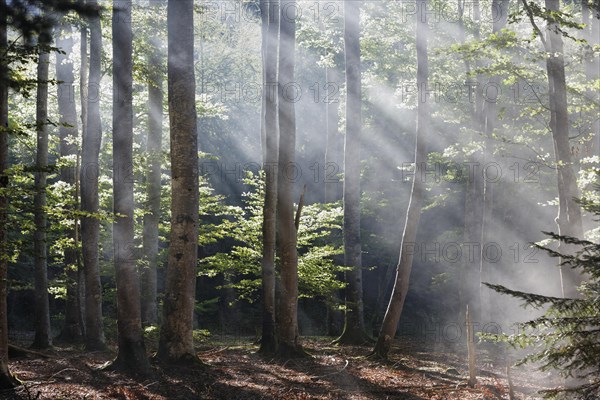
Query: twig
{"x":61,"y":371}
{"x":213,"y":351}
{"x":315,"y":378}
{"x":511,"y":389}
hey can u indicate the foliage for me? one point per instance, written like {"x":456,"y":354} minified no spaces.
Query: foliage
{"x":241,"y":265}
{"x":567,"y":336}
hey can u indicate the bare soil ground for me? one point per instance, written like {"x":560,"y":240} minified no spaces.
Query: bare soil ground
{"x":416,"y":370}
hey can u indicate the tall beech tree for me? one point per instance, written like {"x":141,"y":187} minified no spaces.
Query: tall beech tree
{"x":42,"y":338}
{"x":413,"y":215}
{"x":176,"y":341}
{"x":270,"y":30}
{"x":132,"y":352}
{"x":83,"y":95}
{"x":90,"y":170}
{"x":568,"y":219}
{"x":6,"y":378}
{"x":354,"y":324}
{"x":68,"y":135}
{"x":569,"y":214}
{"x":489,"y":126}
{"x":156,"y":69}
{"x":470,"y":291}
{"x":287,"y":319}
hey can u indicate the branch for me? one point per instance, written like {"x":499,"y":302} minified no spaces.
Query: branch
{"x":535,"y":27}
{"x":299,"y":210}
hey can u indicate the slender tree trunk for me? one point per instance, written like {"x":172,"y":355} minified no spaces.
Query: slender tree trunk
{"x":176,"y":342}
{"x":153,"y":182}
{"x":90,"y":169}
{"x":287,"y":326}
{"x":470,"y":276}
{"x":270,"y":21}
{"x":6,"y":378}
{"x":71,"y":331}
{"x":591,"y":34}
{"x":490,"y":119}
{"x":332,"y":147}
{"x":354,"y":324}
{"x":403,"y":270}
{"x":132,"y":351}
{"x":333,"y":166}
{"x":594,"y":70}
{"x":42,"y":338}
{"x":569,"y":217}
{"x":83,"y":94}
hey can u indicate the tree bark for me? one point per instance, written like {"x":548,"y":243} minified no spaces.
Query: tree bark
{"x":132,"y":351}
{"x":68,"y":133}
{"x":287,"y":321}
{"x":354,"y":323}
{"x":333,"y":143}
{"x":569,"y":215}
{"x":333,"y":167}
{"x":153,"y":182}
{"x":591,"y":33}
{"x":470,"y":276}
{"x":90,"y":169}
{"x":6,"y":378}
{"x":270,"y":21}
{"x":490,"y":119}
{"x":404,"y":267}
{"x":42,"y":338}
{"x":176,"y":342}
{"x":83,"y":94}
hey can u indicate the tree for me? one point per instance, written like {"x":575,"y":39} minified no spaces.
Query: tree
{"x":270,"y":21}
{"x":474,"y":199}
{"x":90,"y":224}
{"x":591,"y":34}
{"x":68,"y":133}
{"x":132,"y":351}
{"x":83,"y":95}
{"x":42,"y":338}
{"x":287,"y":318}
{"x":413,"y":215}
{"x":153,"y":179}
{"x":489,"y":127}
{"x":354,"y":324}
{"x":6,"y":378}
{"x":176,"y":341}
{"x":569,"y":212}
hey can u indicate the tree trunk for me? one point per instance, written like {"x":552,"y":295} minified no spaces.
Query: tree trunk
{"x":153,"y":182}
{"x":591,"y":34}
{"x":176,"y":342}
{"x":83,"y":94}
{"x":332,"y":147}
{"x":6,"y":378}
{"x":569,"y":215}
{"x":354,"y":323}
{"x":396,"y":304}
{"x":71,"y":331}
{"x":270,"y":21}
{"x":333,"y":166}
{"x":90,"y":225}
{"x":470,"y":276}
{"x":132,"y":352}
{"x":42,"y":338}
{"x":287,"y":326}
{"x":490,"y":118}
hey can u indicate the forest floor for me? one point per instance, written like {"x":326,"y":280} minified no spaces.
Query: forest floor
{"x":416,"y":370}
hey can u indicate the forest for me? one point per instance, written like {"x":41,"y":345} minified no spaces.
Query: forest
{"x":299,"y":199}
